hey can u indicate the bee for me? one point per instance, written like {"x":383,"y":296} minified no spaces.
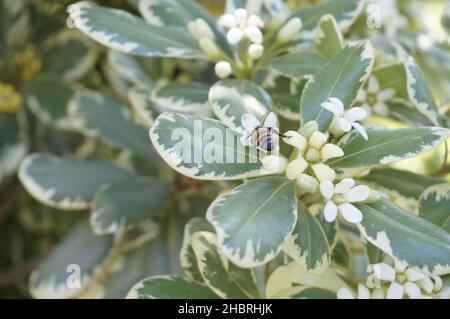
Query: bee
{"x":264,"y":135}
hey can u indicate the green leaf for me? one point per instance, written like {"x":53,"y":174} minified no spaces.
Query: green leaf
{"x":67,"y":183}
{"x":203,"y":148}
{"x":230,"y":99}
{"x":342,"y":78}
{"x":170,"y":287}
{"x":445,"y":19}
{"x":125,"y":32}
{"x":393,"y":76}
{"x":341,"y":256}
{"x":287,"y":279}
{"x":69,"y":55}
{"x":13,"y":146}
{"x":434,"y":205}
{"x":190,"y":98}
{"x":373,"y":254}
{"x":287,"y":106}
{"x":127,"y":203}
{"x":104,"y":117}
{"x":406,"y":112}
{"x":402,"y":235}
{"x":345,"y":13}
{"x":79,"y":256}
{"x":308,"y":244}
{"x":404,"y":183}
{"x":249,"y":232}
{"x":296,"y":65}
{"x":188,"y":260}
{"x":385,"y":146}
{"x":178,"y":13}
{"x":328,"y":40}
{"x":224,"y":278}
{"x":419,"y":92}
{"x":48,"y":98}
{"x":312,"y":293}
{"x":129,"y":68}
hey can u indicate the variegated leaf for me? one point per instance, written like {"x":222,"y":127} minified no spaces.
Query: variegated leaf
{"x":406,"y":112}
{"x":230,"y":99}
{"x":341,"y":256}
{"x":223,"y":277}
{"x":342,"y":78}
{"x":170,"y":287}
{"x":249,"y":233}
{"x":308,"y":244}
{"x":79,"y":256}
{"x":122,"y":31}
{"x":143,"y":107}
{"x":190,"y":98}
{"x":204,"y":148}
{"x":434,"y":205}
{"x":127,"y":203}
{"x":402,"y":235}
{"x":67,"y":183}
{"x":296,"y":65}
{"x":385,"y":146}
{"x":393,"y":76}
{"x":128,"y":67}
{"x":328,"y":39}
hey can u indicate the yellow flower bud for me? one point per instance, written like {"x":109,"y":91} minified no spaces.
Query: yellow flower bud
{"x":317,"y":139}
{"x":323,"y":172}
{"x":330,"y":151}
{"x":295,"y":139}
{"x":307,"y":183}
{"x":296,"y":167}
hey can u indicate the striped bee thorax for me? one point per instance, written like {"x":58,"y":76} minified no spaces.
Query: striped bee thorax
{"x":265,"y":138}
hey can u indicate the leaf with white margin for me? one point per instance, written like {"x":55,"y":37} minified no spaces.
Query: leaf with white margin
{"x":122,"y":31}
{"x":188,"y":259}
{"x":48,"y":98}
{"x":127,"y":203}
{"x":287,"y":106}
{"x":230,"y":99}
{"x":223,"y":277}
{"x":254,"y":220}
{"x":407,"y":113}
{"x":296,"y":65}
{"x":341,"y":256}
{"x":105,"y":117}
{"x":294,"y":275}
{"x":204,"y":148}
{"x":178,"y":14}
{"x":404,"y":183}
{"x":69,"y":54}
{"x":341,"y":78}
{"x":402,"y":235}
{"x":143,"y":107}
{"x":434,"y":205}
{"x":80,"y":253}
{"x":393,"y":76}
{"x":170,"y":287}
{"x":305,"y":292}
{"x":129,"y":68}
{"x":67,"y":183}
{"x":385,"y":146}
{"x":328,"y":39}
{"x":419,"y":92}
{"x":191,"y":98}
{"x":308,"y":244}
{"x":13,"y":145}
{"x":373,"y":253}
{"x":345,"y":13}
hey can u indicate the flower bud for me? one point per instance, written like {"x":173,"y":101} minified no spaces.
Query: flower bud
{"x":312,"y":155}
{"x":274,"y":163}
{"x":374,"y":196}
{"x":384,"y":272}
{"x":426,"y":284}
{"x":256,"y":21}
{"x":234,"y":36}
{"x":330,"y":151}
{"x":289,"y":30}
{"x":295,"y":139}
{"x":255,"y":51}
{"x":209,"y":48}
{"x":378,"y":293}
{"x":223,"y":69}
{"x":296,"y":167}
{"x":323,"y":172}
{"x":227,"y":21}
{"x":309,"y":128}
{"x":200,"y":29}
{"x":241,"y":15}
{"x":317,"y":139}
{"x":254,"y":34}
{"x":308,"y":183}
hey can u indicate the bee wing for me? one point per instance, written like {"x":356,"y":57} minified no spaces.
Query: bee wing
{"x":249,"y":122}
{"x":271,"y":120}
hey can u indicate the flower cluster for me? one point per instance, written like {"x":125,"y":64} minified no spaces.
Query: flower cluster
{"x":398,"y":282}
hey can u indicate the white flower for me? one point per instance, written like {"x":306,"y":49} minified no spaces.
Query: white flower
{"x":344,"y":120}
{"x":255,"y":51}
{"x":373,"y":98}
{"x":275,"y":164}
{"x":340,"y":197}
{"x":223,"y":69}
{"x":239,"y":24}
{"x":363,"y":293}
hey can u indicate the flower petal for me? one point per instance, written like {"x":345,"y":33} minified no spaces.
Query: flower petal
{"x":227,"y":21}
{"x":338,"y":103}
{"x":414,"y":275}
{"x":234,"y":36}
{"x":381,"y":108}
{"x":395,"y":291}
{"x":355,"y":114}
{"x":426,"y":284}
{"x":374,"y":85}
{"x":344,"y":124}
{"x":330,"y":211}
{"x":361,"y":96}
{"x":386,"y":95}
{"x":344,"y":293}
{"x":363,"y":292}
{"x":345,"y":185}
{"x":256,"y":21}
{"x":412,"y":290}
{"x":351,"y":213}
{"x":361,"y":130}
{"x":327,"y":189}
{"x":254,"y":34}
{"x":357,"y":194}
{"x":249,"y":122}
{"x":384,"y":272}
{"x":331,"y":107}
